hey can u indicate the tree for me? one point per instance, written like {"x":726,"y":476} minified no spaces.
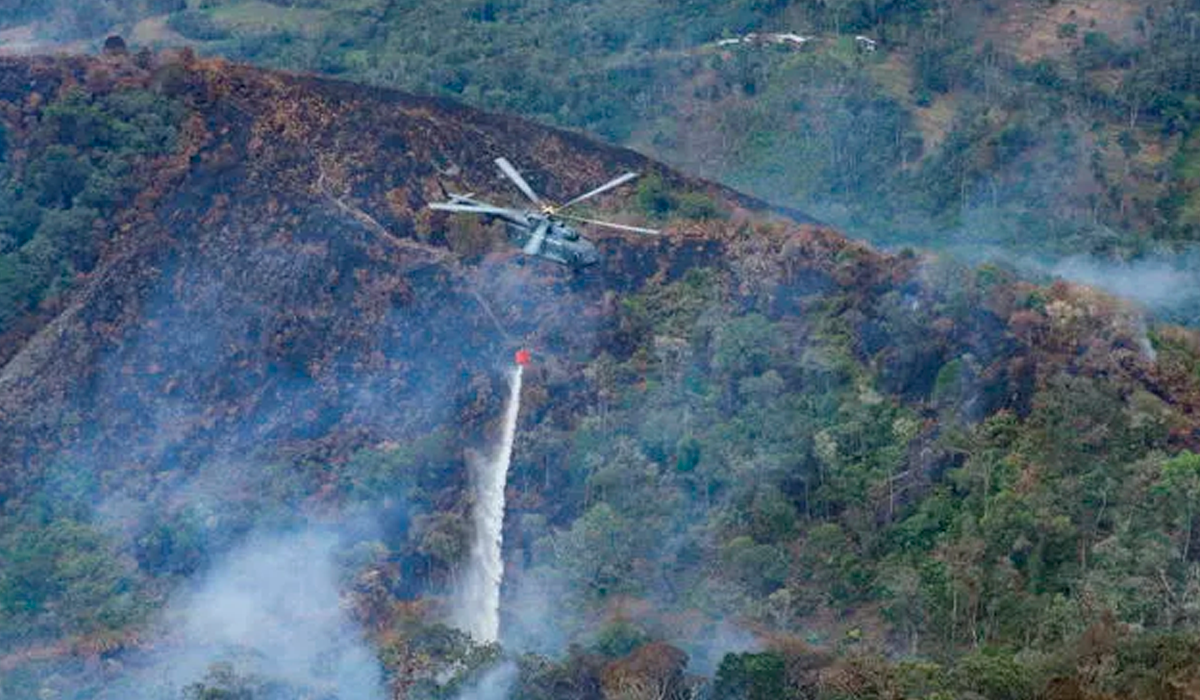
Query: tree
{"x":224,"y":682}
{"x":995,"y":675}
{"x":61,"y":576}
{"x":620,"y":637}
{"x":752,"y":676}
{"x":598,"y":551}
{"x":761,"y":568}
{"x":651,"y":672}
{"x":745,"y":345}
{"x":1179,"y":488}
{"x":58,"y":175}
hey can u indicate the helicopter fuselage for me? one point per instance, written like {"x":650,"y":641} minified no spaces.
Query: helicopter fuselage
{"x":563,"y":244}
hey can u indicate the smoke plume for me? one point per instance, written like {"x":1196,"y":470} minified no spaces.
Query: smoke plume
{"x":268,"y":617}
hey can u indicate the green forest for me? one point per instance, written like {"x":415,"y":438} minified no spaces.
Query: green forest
{"x":798,"y":468}
{"x":891,"y":531}
{"x":77,"y":170}
{"x":1029,"y":132}
{"x":1081,"y":144}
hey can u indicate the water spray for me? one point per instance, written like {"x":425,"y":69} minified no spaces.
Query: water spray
{"x":477,"y":611}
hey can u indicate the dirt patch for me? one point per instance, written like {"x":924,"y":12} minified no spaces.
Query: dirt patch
{"x":257,"y":17}
{"x":154,"y":32}
{"x":936,"y":120}
{"x":895,"y":75}
{"x":1033,"y":30}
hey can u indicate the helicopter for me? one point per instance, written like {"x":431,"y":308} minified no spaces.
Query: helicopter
{"x":543,"y":232}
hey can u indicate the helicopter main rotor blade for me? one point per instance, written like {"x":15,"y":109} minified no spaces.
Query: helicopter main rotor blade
{"x":519,"y":181}
{"x":474,"y":209}
{"x":534,"y":245}
{"x":601,"y":189}
{"x":609,"y":224}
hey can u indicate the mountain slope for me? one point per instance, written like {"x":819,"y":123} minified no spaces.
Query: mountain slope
{"x":747,"y":421}
{"x":289,"y":190}
{"x":969,"y":113}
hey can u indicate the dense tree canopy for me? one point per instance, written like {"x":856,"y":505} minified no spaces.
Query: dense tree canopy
{"x":897,"y":476}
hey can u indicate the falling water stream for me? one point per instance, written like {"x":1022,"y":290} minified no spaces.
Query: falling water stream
{"x":478,"y":610}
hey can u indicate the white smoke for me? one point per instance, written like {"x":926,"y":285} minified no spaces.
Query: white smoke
{"x":1157,"y":283}
{"x":270,"y":612}
{"x":495,"y":684}
{"x":1162,"y":281}
{"x":477,"y":608}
